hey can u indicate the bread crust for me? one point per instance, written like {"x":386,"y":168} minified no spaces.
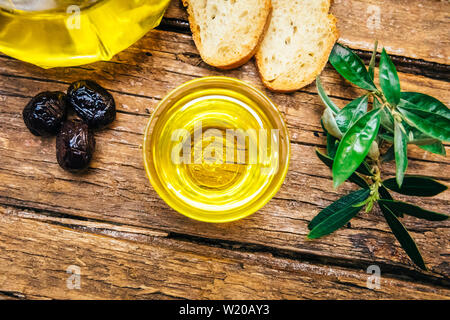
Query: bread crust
{"x":282,"y":84}
{"x":250,"y":50}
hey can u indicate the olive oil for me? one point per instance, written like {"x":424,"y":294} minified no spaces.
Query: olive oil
{"x":215,"y":152}
{"x":57,"y":33}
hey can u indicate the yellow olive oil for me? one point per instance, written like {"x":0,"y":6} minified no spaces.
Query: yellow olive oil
{"x":57,"y":33}
{"x":216,"y":152}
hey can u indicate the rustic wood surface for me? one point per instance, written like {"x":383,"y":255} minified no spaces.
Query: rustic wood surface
{"x":129,"y":244}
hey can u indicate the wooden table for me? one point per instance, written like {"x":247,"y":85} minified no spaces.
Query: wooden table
{"x":127,"y":243}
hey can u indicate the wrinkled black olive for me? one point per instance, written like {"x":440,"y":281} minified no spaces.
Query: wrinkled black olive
{"x":92,"y":103}
{"x":75,"y":144}
{"x":45,"y":113}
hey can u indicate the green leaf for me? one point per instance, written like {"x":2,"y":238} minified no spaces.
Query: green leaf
{"x":423,"y":102}
{"x":324,"y":97}
{"x":389,"y":81}
{"x":403,"y":236}
{"x":364,"y":168}
{"x":343,"y":203}
{"x":384,"y":194}
{"x":355,"y":146}
{"x":416,"y":186}
{"x":417,"y":137}
{"x":353,"y":178}
{"x":373,"y":60}
{"x":387,"y":136}
{"x":437,"y":148}
{"x":351,"y":113}
{"x":332,"y":142}
{"x":401,"y":152}
{"x":337,"y":214}
{"x":412,"y":210}
{"x":351,"y":67}
{"x":434,"y":125}
{"x":427,"y":114}
{"x":332,"y":145}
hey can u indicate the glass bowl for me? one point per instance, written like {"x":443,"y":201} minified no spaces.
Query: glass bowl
{"x":216,"y":149}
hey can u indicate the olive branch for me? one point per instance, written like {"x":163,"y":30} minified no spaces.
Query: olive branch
{"x":357,"y":133}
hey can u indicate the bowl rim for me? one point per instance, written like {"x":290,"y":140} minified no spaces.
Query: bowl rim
{"x":163,"y":193}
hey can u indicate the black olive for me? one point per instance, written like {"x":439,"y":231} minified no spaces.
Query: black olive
{"x":75,"y":144}
{"x":92,"y":103}
{"x":45,"y":113}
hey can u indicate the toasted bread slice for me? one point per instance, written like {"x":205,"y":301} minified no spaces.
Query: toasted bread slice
{"x":227,"y":32}
{"x":297,"y":44}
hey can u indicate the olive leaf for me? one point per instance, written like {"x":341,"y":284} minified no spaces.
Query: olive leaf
{"x":337,"y":214}
{"x":351,"y":113}
{"x":416,"y":186}
{"x":384,"y":193}
{"x":351,"y":67}
{"x":332,"y":145}
{"x":389,"y":81}
{"x":324,"y":97}
{"x":423,"y":102}
{"x":436,"y":147}
{"x":354,"y":177}
{"x":417,"y":137}
{"x":355,"y":146}
{"x":431,"y":124}
{"x":426,"y":113}
{"x":373,"y":60}
{"x":403,"y":237}
{"x":345,"y":202}
{"x":412,"y":210}
{"x":332,"y":142}
{"x":386,"y":136}
{"x":401,"y":152}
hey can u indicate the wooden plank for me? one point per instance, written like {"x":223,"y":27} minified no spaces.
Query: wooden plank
{"x":409,"y":28}
{"x":134,"y":265}
{"x":116,"y":189}
{"x":162,"y":60}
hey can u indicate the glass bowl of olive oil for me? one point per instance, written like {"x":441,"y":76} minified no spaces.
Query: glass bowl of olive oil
{"x":61,"y":33}
{"x":216,"y":149}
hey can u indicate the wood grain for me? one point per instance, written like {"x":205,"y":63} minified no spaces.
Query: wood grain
{"x":407,"y":28}
{"x":113,"y":264}
{"x":113,"y":219}
{"x":117,"y":170}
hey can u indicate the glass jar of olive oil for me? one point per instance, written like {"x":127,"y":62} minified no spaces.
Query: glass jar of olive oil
{"x":59,"y":33}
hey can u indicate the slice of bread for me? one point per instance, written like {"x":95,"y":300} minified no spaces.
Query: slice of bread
{"x":297,"y":44}
{"x":227,"y":32}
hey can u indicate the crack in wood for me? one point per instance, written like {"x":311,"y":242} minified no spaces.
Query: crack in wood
{"x":79,"y":223}
{"x":301,"y":255}
{"x":13,"y":294}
